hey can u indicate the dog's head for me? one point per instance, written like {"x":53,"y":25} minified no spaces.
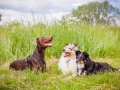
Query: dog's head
{"x":69,"y":50}
{"x":44,"y":41}
{"x":81,"y":57}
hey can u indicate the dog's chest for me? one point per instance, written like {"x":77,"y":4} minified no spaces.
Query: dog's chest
{"x":80,"y":66}
{"x":71,"y":62}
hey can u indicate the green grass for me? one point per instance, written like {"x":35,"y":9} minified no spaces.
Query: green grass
{"x":53,"y":79}
{"x":103,"y":44}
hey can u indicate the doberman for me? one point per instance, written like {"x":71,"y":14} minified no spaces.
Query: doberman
{"x":36,"y":60}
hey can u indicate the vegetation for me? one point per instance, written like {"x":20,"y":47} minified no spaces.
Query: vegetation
{"x":16,"y":42}
{"x":98,"y":13}
{"x":16,"y":39}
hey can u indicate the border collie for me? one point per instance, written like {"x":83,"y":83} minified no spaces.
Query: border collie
{"x":91,"y":66}
{"x":80,"y":64}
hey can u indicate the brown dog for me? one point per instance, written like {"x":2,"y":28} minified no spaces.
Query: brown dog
{"x":36,"y":60}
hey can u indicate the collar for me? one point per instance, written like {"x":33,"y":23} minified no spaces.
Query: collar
{"x":43,"y":62}
{"x":68,"y":61}
{"x":26,"y":62}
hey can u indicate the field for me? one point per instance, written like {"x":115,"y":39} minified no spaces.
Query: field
{"x":102,"y":43}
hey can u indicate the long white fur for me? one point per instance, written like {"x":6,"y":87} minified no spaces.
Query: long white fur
{"x":62,"y":64}
{"x":67,"y":64}
{"x":72,"y":66}
{"x":80,"y":67}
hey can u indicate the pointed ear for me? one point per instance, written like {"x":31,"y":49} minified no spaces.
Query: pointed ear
{"x":86,"y":54}
{"x":35,"y":41}
{"x":78,"y":52}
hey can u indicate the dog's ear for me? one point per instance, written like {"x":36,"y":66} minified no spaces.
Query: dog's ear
{"x":75,"y":44}
{"x":86,"y":54}
{"x":78,"y":52}
{"x":66,"y":44}
{"x":35,"y":41}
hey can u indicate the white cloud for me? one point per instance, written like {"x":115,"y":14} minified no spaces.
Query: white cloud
{"x":50,"y":9}
{"x":10,"y":15}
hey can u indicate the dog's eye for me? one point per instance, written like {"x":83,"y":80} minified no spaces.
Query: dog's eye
{"x":43,"y":38}
{"x":80,"y":55}
{"x":70,"y":48}
{"x":63,"y":50}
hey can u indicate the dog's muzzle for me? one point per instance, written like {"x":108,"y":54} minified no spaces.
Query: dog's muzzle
{"x":66,"y":54}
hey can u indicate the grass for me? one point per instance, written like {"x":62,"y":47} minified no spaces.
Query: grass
{"x":53,"y":79}
{"x":16,"y":42}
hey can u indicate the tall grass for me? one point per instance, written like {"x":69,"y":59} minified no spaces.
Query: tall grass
{"x":16,"y":39}
{"x":16,"y":42}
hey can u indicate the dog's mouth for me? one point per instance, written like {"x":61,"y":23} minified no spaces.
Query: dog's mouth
{"x":47,"y":43}
{"x":66,"y":54}
{"x":81,"y":61}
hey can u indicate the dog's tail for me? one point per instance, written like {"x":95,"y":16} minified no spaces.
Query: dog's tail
{"x":114,"y":69}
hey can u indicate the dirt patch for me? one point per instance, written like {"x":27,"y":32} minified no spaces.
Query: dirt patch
{"x":5,"y":65}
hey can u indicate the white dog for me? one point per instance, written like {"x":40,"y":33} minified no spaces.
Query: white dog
{"x":67,"y":61}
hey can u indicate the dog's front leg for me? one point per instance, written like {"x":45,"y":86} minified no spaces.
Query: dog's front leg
{"x":44,"y":67}
{"x":74,"y":72}
{"x":35,"y":68}
{"x":88,"y":72}
{"x":80,"y":72}
{"x":83,"y":72}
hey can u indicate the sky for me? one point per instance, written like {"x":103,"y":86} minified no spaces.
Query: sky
{"x":41,"y":10}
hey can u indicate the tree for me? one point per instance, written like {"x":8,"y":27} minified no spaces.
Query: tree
{"x":98,"y":13}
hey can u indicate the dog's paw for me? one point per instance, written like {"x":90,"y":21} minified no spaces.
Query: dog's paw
{"x":74,"y":75}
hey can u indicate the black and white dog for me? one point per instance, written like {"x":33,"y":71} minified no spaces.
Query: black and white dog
{"x":80,"y":64}
{"x":90,"y":66}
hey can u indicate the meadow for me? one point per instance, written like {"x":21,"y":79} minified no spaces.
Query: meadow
{"x":16,"y":41}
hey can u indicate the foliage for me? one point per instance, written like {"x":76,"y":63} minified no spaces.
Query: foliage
{"x":98,"y":13}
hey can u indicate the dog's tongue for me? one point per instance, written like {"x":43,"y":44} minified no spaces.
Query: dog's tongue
{"x":48,"y":44}
{"x":66,"y":54}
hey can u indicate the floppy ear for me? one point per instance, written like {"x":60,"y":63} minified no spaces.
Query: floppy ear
{"x":35,"y":41}
{"x":75,"y":44}
{"x":78,"y":52}
{"x":86,"y":54}
{"x":63,"y":50}
{"x":66,"y":44}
